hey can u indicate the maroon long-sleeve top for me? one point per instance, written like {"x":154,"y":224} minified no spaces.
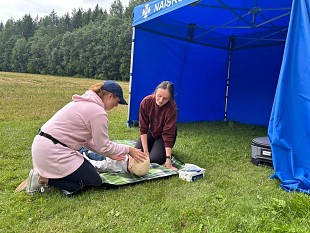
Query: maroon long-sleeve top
{"x":162,"y":121}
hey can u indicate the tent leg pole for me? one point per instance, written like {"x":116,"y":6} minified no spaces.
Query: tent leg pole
{"x":228,"y":77}
{"x":130,"y":78}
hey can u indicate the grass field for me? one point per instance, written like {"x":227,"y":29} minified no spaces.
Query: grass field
{"x":234,"y":196}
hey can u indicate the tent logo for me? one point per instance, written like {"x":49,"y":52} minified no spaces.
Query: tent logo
{"x":158,"y":6}
{"x":146,"y":11}
{"x":165,"y":4}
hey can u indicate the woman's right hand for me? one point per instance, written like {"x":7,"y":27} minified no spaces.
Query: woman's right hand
{"x":137,"y":154}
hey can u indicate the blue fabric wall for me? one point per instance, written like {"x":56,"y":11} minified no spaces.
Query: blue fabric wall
{"x":190,"y":67}
{"x":254,"y":78}
{"x":203,"y":67}
{"x":289,"y":127}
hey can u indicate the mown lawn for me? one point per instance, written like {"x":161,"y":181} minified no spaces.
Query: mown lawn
{"x":234,"y":196}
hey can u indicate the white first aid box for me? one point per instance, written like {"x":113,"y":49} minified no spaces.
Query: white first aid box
{"x":191,"y":172}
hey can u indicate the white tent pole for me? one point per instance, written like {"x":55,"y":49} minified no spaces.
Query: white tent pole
{"x":228,"y":77}
{"x":130,"y":78}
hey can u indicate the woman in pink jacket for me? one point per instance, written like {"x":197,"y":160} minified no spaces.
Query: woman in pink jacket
{"x":81,"y":123}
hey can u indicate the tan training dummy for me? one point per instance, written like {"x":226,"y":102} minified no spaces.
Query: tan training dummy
{"x":139,"y":168}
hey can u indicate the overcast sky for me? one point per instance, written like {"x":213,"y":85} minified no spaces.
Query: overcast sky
{"x":16,"y":9}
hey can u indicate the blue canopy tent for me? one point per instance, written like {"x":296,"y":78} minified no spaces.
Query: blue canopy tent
{"x":289,"y":127}
{"x":224,"y":56}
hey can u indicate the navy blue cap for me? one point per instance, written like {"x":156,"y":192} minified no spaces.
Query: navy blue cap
{"x":115,"y":88}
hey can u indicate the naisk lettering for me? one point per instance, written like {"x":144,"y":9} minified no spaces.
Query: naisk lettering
{"x":164,"y":4}
{"x":158,"y":6}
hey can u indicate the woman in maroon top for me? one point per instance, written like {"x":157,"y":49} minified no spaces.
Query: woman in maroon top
{"x":158,"y":124}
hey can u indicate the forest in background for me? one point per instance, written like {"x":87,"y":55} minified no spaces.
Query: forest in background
{"x":86,"y":43}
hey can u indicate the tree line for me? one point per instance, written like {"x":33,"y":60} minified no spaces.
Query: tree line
{"x":86,"y":43}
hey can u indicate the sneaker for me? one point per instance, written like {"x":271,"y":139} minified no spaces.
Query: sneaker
{"x":33,"y":182}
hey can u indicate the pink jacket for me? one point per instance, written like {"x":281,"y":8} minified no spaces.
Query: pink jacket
{"x":82,"y":122}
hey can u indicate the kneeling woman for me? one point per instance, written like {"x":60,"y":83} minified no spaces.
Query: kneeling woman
{"x":158,"y":124}
{"x":81,"y":123}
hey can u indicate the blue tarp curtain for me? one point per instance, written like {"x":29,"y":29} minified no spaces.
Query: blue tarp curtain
{"x":289,"y":127}
{"x":223,"y":56}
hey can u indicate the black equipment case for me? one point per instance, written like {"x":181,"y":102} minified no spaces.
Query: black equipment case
{"x":261,"y":151}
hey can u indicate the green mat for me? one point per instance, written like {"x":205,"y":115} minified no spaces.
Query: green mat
{"x":156,"y":171}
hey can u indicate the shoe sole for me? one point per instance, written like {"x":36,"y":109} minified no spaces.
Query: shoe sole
{"x":22,"y":186}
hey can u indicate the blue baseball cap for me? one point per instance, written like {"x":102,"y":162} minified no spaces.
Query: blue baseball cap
{"x":115,"y":88}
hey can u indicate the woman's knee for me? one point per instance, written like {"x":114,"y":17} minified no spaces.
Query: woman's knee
{"x":159,"y":160}
{"x":98,"y":181}
{"x":93,"y":180}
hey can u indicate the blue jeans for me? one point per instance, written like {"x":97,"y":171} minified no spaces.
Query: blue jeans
{"x":91,"y":155}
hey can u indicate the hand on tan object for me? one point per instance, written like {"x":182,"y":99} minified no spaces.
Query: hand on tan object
{"x":138,"y":168}
{"x":137,"y":154}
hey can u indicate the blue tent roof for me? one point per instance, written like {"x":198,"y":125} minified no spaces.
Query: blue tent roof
{"x":212,"y":23}
{"x":223,"y":56}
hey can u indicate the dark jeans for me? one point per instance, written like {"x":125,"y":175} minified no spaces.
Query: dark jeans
{"x":91,"y":155}
{"x":85,"y":175}
{"x":156,"y":148}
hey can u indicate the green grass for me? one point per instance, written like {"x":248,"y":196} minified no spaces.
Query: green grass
{"x":234,"y":196}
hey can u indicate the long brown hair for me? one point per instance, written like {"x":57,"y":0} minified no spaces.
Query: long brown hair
{"x":166,"y":85}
